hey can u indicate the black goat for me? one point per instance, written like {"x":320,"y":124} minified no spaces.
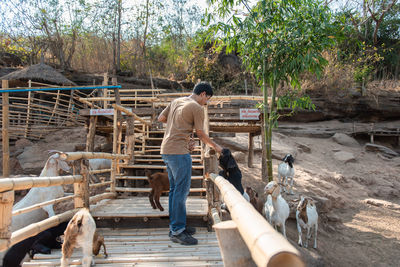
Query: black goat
{"x":40,"y":243}
{"x":230,"y":169}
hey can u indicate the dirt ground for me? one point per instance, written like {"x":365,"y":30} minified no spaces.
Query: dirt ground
{"x":359,"y":201}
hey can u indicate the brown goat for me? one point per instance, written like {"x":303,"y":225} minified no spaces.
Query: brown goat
{"x":159,"y":183}
{"x":254,"y":200}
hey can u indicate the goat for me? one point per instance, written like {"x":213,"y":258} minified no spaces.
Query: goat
{"x":79,"y":233}
{"x":36,"y":195}
{"x":230,"y":170}
{"x":307,"y":217}
{"x":159,"y":182}
{"x":40,"y":243}
{"x":276,"y":209}
{"x":286,"y":171}
{"x":254,"y":200}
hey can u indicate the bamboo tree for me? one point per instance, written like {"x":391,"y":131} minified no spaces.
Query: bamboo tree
{"x":278,"y":41}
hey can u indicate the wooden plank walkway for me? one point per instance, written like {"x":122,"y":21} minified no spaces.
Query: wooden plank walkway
{"x":137,"y":207}
{"x":144,"y":247}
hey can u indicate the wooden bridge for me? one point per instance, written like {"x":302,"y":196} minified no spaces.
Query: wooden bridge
{"x":135,"y":234}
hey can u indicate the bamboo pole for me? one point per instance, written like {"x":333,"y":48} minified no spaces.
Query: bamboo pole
{"x":4,"y":132}
{"x":97,"y":198}
{"x":267,"y":247}
{"x":129,"y":113}
{"x":28,"y":113}
{"x":70,"y":156}
{"x":35,"y":228}
{"x":40,"y":205}
{"x":6,"y":203}
{"x":29,"y":182}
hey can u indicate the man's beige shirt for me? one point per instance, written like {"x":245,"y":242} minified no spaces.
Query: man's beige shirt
{"x":183,"y":115}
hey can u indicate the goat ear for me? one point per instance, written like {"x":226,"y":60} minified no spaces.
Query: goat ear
{"x":63,"y":165}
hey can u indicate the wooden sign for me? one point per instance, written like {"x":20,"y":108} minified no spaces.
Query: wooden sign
{"x":249,"y":114}
{"x":105,"y":111}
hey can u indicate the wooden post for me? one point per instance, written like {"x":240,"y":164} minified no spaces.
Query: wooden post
{"x":81,"y":189}
{"x":91,"y":134}
{"x":5,"y":140}
{"x":210,"y":166}
{"x":105,"y":91}
{"x":6,"y":204}
{"x":234,"y":250}
{"x":251,"y":151}
{"x":130,"y":139}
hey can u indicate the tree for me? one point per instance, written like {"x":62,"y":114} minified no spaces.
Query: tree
{"x":55,"y":24}
{"x":278,"y":41}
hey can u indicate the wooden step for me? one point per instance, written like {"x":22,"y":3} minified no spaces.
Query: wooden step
{"x":139,"y":207}
{"x":123,"y":177}
{"x":160,"y":160}
{"x":159,"y":156}
{"x":149,"y":166}
{"x":147,"y":190}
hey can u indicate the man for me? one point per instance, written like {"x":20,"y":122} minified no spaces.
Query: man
{"x":182,"y":116}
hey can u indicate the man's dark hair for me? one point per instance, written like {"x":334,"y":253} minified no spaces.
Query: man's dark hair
{"x":201,"y":87}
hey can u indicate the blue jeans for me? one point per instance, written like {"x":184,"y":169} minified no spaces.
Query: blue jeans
{"x":179,"y":168}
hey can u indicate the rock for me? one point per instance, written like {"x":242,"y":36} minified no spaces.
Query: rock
{"x":387,"y":152}
{"x":303,"y":148}
{"x":344,"y":156}
{"x":21,"y":143}
{"x":345,"y":140}
{"x":382,"y":203}
{"x":333,"y":218}
{"x":323,"y":204}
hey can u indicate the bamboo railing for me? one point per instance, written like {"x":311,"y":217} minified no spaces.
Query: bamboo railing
{"x":266,"y":246}
{"x":81,"y":195}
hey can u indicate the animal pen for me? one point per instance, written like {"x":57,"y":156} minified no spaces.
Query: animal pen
{"x":135,"y":234}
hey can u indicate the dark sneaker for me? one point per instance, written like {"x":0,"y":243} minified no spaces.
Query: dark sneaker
{"x":190,"y":230}
{"x":184,"y":238}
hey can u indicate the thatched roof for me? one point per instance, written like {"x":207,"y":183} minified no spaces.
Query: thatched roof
{"x":39,"y":73}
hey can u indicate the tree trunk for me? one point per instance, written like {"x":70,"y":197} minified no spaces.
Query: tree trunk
{"x":118,"y":66}
{"x":266,"y":118}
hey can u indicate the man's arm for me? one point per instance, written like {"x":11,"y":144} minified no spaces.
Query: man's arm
{"x":206,"y":139}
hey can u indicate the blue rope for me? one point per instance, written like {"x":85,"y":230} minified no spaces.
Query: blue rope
{"x":60,"y":88}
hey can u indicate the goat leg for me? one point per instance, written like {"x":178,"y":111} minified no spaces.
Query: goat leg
{"x":315,"y":235}
{"x":151,"y":196}
{"x":105,"y":251}
{"x":300,"y":243}
{"x":157,"y":200}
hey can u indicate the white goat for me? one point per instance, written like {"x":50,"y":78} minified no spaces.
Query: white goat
{"x":307,"y":217}
{"x":79,"y":233}
{"x":276,"y":209}
{"x":36,"y":195}
{"x":286,"y":171}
